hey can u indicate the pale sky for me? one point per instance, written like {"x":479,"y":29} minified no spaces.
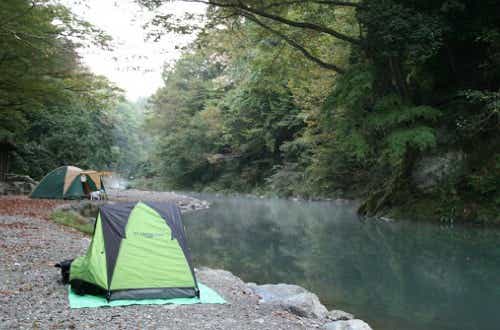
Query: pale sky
{"x":135,"y":65}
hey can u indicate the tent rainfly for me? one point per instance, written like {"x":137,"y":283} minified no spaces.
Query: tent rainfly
{"x":67,"y":182}
{"x":138,"y":251}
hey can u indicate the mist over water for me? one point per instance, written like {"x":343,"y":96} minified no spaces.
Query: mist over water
{"x":115,"y":182}
{"x":399,"y":275}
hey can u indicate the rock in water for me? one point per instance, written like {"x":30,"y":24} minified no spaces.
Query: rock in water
{"x":347,"y":325}
{"x":293,"y":298}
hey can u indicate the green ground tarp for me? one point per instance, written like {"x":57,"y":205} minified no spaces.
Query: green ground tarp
{"x":207,"y":296}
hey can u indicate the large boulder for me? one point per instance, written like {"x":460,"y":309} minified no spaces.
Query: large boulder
{"x":4,"y":186}
{"x":347,"y":325}
{"x":338,"y":315}
{"x":17,"y":185}
{"x":20,"y":178}
{"x":431,"y":171}
{"x":293,"y":298}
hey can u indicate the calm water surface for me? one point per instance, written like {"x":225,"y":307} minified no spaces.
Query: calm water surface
{"x":396,"y":276}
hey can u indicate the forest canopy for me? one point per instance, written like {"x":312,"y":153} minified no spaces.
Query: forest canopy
{"x":392,"y":101}
{"x":52,"y":107}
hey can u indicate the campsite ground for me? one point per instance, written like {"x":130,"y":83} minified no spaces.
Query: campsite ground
{"x":31,"y":295}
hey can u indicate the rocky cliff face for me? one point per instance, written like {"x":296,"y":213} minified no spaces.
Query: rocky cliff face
{"x":431,"y":171}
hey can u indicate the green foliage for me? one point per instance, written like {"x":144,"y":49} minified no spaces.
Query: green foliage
{"x":484,"y":182}
{"x":51,"y":106}
{"x":56,"y":139}
{"x":131,"y":143}
{"x":418,"y":138}
{"x":73,"y":220}
{"x":214,"y":119}
{"x":424,"y":79}
{"x":289,"y":180}
{"x":402,"y":29}
{"x":185,"y":122}
{"x":402,"y":128}
{"x":390,"y":112}
{"x":343,"y":145}
{"x":301,"y":98}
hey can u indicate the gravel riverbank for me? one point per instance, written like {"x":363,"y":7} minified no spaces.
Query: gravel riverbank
{"x":32,"y":296}
{"x":185,"y":203}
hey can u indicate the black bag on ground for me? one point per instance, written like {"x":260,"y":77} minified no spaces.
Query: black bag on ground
{"x":65,"y":267}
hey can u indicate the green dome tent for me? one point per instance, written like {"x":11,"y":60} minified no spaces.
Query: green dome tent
{"x":138,"y":251}
{"x":67,"y":182}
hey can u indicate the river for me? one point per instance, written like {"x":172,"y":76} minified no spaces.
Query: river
{"x":394,"y":275}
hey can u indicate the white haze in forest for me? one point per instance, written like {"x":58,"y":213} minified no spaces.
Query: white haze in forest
{"x":135,"y":64}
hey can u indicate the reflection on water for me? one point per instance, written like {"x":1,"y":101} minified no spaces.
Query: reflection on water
{"x":393,"y":275}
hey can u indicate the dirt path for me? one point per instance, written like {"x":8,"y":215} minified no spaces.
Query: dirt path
{"x":31,"y":296}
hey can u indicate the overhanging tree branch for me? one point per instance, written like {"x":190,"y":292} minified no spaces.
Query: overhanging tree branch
{"x":295,"y":44}
{"x":305,"y":25}
{"x":321,"y":2}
